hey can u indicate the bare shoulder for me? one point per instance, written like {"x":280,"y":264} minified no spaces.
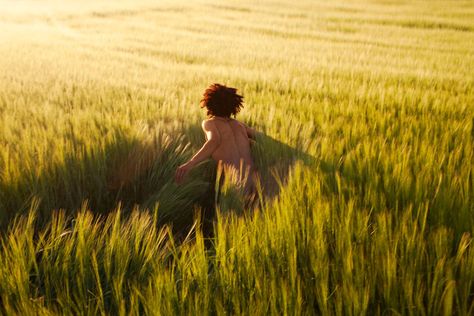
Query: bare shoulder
{"x":250,"y":131}
{"x":238,"y":122}
{"x":208,"y":124}
{"x":241,"y":124}
{"x":210,"y":129}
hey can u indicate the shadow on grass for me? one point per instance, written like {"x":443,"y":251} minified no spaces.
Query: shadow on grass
{"x":138,"y":170}
{"x":130,"y":170}
{"x":274,"y":160}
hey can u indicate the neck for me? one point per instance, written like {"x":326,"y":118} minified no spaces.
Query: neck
{"x":222,"y":118}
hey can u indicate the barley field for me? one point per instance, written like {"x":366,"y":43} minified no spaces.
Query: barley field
{"x":365,"y":113}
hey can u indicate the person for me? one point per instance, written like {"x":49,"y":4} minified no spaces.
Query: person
{"x":227,"y":139}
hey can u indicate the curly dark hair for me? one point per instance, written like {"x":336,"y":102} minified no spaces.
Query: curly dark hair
{"x":220,"y":100}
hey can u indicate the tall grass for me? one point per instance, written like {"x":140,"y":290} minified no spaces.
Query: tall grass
{"x":304,"y":253}
{"x":365,"y":111}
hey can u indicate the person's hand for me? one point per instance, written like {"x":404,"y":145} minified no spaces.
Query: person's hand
{"x":182,"y":172}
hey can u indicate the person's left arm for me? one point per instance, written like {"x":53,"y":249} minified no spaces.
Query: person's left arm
{"x":213,"y":141}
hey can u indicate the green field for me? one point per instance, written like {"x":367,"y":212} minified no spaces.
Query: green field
{"x":365,"y":110}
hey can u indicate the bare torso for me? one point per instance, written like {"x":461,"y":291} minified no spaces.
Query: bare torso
{"x":234,"y":146}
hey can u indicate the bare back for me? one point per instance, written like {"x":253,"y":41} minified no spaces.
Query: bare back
{"x":234,"y":145}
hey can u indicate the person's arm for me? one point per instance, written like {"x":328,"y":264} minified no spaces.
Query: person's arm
{"x":213,"y":141}
{"x":251,"y":133}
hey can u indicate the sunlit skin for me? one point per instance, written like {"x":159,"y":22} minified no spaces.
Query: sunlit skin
{"x":364,"y":150}
{"x":228,"y":143}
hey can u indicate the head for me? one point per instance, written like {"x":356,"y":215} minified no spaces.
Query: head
{"x":220,"y":100}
